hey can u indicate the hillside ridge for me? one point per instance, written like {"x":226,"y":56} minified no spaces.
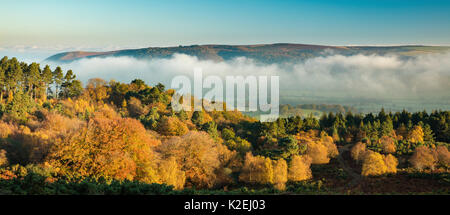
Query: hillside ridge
{"x":269,"y":53}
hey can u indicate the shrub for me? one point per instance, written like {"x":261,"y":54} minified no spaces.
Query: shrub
{"x":3,"y":158}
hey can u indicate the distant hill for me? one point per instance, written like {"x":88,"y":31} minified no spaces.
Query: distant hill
{"x":267,"y":53}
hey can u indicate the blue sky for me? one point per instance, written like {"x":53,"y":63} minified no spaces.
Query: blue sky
{"x":110,"y":24}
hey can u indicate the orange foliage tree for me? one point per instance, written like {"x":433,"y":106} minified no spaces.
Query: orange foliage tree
{"x":388,"y":144}
{"x":199,"y":156}
{"x":391,"y":163}
{"x":443,"y":156}
{"x":320,"y":148}
{"x":423,"y":158}
{"x":112,"y":148}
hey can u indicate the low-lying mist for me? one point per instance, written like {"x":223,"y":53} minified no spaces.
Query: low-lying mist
{"x":335,"y":76}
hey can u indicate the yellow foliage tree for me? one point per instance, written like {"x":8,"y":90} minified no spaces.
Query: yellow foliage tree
{"x":416,"y":134}
{"x":81,"y":106}
{"x":170,"y":173}
{"x":299,"y":168}
{"x":105,"y":111}
{"x":320,"y":147}
{"x":328,"y":142}
{"x":317,"y":152}
{"x":5,"y":130}
{"x":268,"y":171}
{"x":256,"y":169}
{"x":97,"y":90}
{"x":172,"y":126}
{"x":280,"y":174}
{"x":373,"y":164}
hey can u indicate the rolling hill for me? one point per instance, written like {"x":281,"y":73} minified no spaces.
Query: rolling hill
{"x":267,"y":53}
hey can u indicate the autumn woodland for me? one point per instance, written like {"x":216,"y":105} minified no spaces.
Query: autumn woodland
{"x":107,"y":137}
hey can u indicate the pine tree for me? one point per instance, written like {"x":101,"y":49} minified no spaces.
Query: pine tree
{"x":386,"y":127}
{"x":13,"y":75}
{"x":428,"y":135}
{"x":47,"y":78}
{"x":32,"y":79}
{"x":3,"y":65}
{"x":57,"y":79}
{"x":70,"y":87}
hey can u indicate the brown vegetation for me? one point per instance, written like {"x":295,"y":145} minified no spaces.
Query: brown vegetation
{"x":358,"y":152}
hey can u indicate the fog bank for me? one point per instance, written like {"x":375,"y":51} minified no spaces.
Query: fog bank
{"x":366,"y":76}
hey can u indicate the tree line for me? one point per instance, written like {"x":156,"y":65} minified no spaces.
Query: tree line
{"x":20,"y":77}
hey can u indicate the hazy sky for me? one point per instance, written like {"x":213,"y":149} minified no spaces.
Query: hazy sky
{"x":111,"y":24}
